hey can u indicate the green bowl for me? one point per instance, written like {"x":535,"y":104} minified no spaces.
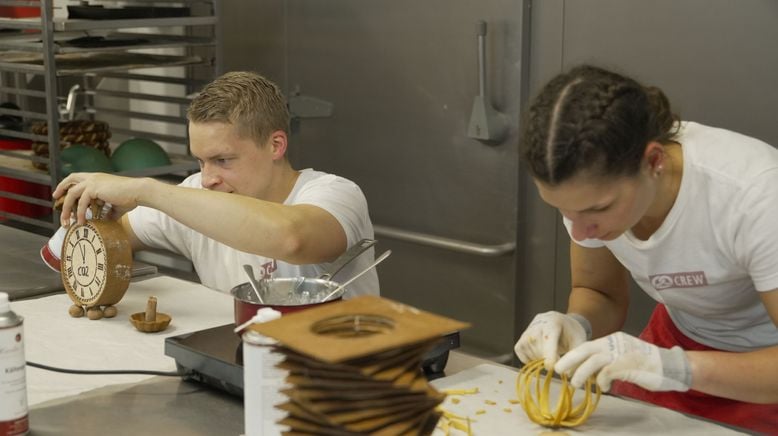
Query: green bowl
{"x":79,"y":158}
{"x":139,"y":153}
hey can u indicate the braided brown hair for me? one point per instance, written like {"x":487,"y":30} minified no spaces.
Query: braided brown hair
{"x":596,"y":120}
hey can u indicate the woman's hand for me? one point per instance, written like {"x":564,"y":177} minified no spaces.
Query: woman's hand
{"x":550,"y":335}
{"x":620,"y":356}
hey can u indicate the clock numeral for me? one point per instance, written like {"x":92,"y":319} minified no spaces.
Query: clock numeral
{"x":81,"y":291}
{"x":99,"y":250}
{"x":68,"y":258}
{"x":98,"y":281}
{"x":100,"y":267}
{"x":86,"y":232}
{"x":70,"y":271}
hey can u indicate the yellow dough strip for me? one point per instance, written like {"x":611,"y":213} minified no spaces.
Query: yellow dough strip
{"x":537,"y":408}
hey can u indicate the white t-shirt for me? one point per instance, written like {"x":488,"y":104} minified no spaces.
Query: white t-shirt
{"x":221,"y":267}
{"x":718,"y":246}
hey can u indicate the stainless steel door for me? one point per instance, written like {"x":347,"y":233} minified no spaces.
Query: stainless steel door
{"x":402,"y":77}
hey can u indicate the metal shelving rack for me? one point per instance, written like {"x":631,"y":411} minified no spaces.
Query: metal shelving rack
{"x":39,"y":47}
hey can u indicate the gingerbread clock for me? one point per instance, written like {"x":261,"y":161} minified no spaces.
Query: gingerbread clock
{"x":96,"y":266}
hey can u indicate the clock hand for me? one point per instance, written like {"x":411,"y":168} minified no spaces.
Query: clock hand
{"x":83,"y":252}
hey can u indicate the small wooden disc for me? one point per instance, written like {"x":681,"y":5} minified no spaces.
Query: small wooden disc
{"x":140,"y":323}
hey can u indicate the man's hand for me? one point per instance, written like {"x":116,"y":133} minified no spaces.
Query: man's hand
{"x":550,"y":335}
{"x":620,"y":356}
{"x":80,"y":189}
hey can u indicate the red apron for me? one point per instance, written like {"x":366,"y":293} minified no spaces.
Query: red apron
{"x":662,"y":331}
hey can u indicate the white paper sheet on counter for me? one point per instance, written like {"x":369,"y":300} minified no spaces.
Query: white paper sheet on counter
{"x":614,"y":416}
{"x":54,"y":338}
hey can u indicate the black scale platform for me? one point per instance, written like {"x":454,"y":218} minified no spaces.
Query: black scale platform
{"x":215,"y":356}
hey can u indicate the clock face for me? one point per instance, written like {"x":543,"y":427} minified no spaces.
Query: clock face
{"x":84,"y":263}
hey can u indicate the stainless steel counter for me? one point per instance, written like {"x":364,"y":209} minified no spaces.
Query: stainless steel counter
{"x":170,"y":406}
{"x":131,"y":405}
{"x":160,"y":405}
{"x":22,"y":272}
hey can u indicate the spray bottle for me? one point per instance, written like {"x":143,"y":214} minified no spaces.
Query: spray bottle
{"x":262,"y":380}
{"x":14,"y":418}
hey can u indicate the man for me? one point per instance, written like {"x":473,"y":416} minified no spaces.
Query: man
{"x":247,"y":205}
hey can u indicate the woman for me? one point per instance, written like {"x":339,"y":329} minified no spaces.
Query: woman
{"x":691,"y":213}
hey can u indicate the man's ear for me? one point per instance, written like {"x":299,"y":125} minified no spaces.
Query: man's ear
{"x":654,"y":158}
{"x":278,"y":142}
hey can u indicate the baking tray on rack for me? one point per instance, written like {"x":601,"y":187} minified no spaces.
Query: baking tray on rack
{"x":78,"y":63}
{"x":98,"y":12}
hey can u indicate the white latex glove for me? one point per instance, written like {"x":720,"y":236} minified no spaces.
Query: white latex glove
{"x":620,"y":356}
{"x":550,"y":335}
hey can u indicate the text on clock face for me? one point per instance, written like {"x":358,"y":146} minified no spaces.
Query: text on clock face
{"x":85,"y":257}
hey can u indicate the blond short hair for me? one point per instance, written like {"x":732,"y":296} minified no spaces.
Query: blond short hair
{"x":253,"y":104}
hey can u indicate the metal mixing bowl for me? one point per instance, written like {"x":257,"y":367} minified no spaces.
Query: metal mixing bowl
{"x":284,"y":295}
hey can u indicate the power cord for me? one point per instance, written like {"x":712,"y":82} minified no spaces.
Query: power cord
{"x":104,"y":371}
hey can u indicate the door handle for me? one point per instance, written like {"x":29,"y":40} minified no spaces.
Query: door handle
{"x":445,"y":243}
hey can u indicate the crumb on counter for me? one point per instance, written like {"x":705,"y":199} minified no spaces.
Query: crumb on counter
{"x":460,"y":391}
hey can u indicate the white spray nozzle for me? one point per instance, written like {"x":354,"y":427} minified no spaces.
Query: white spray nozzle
{"x":5,"y":304}
{"x":264,"y":314}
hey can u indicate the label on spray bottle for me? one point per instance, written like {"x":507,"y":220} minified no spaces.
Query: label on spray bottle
{"x":13,"y":382}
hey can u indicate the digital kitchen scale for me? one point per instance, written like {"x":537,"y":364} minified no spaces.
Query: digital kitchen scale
{"x":215,"y":357}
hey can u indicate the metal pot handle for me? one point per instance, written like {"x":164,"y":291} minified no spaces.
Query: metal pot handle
{"x":344,"y":259}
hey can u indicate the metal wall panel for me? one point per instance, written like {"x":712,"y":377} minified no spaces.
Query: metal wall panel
{"x":716,"y":59}
{"x":402,"y":76}
{"x":254,"y":37}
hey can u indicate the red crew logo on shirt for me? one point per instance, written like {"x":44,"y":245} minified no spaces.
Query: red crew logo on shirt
{"x":691,"y":279}
{"x":266,"y":269}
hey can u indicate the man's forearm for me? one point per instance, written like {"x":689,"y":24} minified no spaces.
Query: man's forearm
{"x":289,"y":233}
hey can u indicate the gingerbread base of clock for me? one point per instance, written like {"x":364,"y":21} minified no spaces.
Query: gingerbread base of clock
{"x":215,"y":357}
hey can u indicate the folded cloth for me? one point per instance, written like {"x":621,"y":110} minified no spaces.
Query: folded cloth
{"x":54,"y":338}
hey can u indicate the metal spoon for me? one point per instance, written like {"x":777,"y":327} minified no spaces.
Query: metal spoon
{"x":352,"y":253}
{"x":349,"y":281}
{"x":344,"y":259}
{"x":254,"y":285}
